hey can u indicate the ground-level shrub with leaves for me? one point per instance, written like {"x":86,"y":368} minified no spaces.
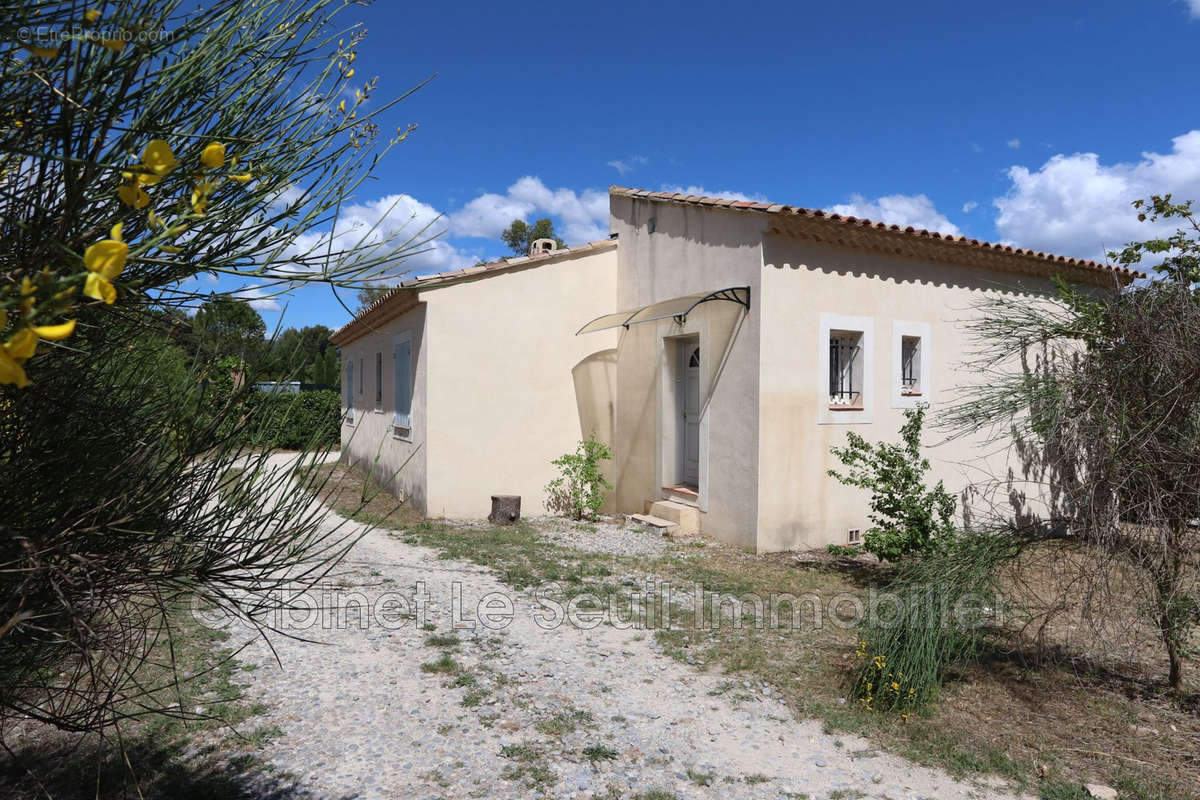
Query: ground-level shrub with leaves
{"x":907,"y":516}
{"x":578,"y":491}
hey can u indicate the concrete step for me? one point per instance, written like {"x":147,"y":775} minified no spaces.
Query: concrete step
{"x":682,"y":494}
{"x":664,"y":526}
{"x":685,"y":516}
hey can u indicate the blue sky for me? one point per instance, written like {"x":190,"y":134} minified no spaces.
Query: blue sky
{"x":1033,"y":123}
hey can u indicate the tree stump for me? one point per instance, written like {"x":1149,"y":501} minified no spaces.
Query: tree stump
{"x":506,"y":509}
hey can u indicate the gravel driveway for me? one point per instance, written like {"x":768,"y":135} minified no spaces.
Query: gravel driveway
{"x":394,"y":709}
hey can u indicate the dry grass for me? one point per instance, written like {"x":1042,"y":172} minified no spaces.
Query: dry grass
{"x":1084,"y":608}
{"x":348,"y":490}
{"x":1051,"y":705}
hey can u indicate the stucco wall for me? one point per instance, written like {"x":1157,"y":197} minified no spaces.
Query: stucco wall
{"x":510,"y":385}
{"x":799,"y":504}
{"x":399,"y":464}
{"x":690,"y":251}
{"x":503,"y":385}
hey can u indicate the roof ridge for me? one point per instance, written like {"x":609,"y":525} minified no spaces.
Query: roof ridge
{"x":440,"y":278}
{"x":862,"y":222}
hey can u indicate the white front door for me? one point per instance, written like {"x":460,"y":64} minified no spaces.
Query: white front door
{"x":688,"y":355}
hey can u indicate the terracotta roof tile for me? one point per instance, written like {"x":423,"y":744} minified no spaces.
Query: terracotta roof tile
{"x":377,"y":312}
{"x":911,"y":232}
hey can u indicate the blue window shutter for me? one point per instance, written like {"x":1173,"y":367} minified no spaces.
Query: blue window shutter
{"x":402,"y":356}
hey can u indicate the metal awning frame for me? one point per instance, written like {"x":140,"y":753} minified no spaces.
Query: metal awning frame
{"x":733,"y":294}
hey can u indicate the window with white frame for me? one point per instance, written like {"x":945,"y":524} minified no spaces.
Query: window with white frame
{"x":846,"y":369}
{"x":349,"y":390}
{"x":845,"y":374}
{"x":379,"y":382}
{"x":403,"y":377}
{"x":911,"y":363}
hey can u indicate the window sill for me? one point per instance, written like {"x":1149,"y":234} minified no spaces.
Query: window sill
{"x":379,"y":411}
{"x":402,"y":433}
{"x":911,"y":394}
{"x":845,"y":408}
{"x":349,"y":420}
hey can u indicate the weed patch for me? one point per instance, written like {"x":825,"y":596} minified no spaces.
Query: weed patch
{"x":596,"y":753}
{"x":445,"y":665}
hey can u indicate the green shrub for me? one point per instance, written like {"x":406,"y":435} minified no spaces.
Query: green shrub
{"x":304,"y":421}
{"x":578,"y":491}
{"x":907,"y":517}
{"x":112,"y":507}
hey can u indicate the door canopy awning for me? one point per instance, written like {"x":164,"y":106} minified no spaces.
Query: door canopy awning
{"x":678,"y":307}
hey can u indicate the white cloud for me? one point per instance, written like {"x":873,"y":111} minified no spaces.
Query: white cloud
{"x":584,"y":215}
{"x":288,"y":196}
{"x":904,"y":210}
{"x":258,"y":298}
{"x":394,"y":221}
{"x":1194,"y":6}
{"x":970,"y":206}
{"x":727,"y":194}
{"x":1013,"y":144}
{"x":975,"y":147}
{"x":1077,"y":206}
{"x":623,"y":168}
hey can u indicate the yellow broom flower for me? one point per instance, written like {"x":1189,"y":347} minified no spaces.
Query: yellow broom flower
{"x":105,"y":260}
{"x":133,"y":195}
{"x":158,"y":157}
{"x":22,"y":345}
{"x":200,"y":196}
{"x":11,"y":370}
{"x":54,"y":333}
{"x":240,"y":177}
{"x":213,"y":155}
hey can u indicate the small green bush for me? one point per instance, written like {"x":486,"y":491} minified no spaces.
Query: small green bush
{"x":907,"y":517}
{"x":578,"y":491}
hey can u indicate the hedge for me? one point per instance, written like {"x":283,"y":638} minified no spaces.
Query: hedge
{"x":308,"y":420}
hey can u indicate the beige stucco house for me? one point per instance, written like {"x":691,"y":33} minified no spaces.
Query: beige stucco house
{"x":720,"y":347}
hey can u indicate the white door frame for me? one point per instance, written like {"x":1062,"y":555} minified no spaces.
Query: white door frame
{"x":684,"y":373}
{"x":668,"y":334}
